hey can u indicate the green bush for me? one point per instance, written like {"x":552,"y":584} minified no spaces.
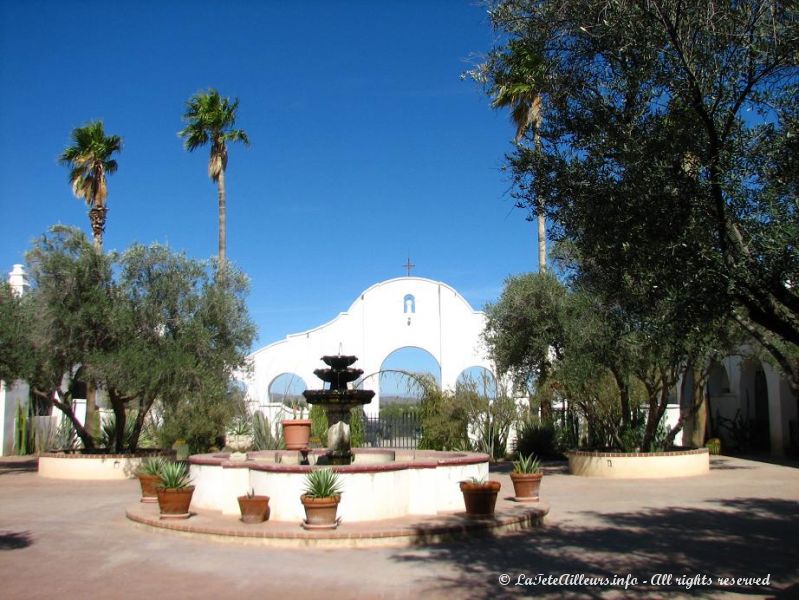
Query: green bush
{"x":443,"y":420}
{"x":534,"y":437}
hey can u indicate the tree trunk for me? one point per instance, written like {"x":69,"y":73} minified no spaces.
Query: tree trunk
{"x":88,"y":441}
{"x":97,"y":220}
{"x":90,"y":422}
{"x":542,"y":240}
{"x":120,"y":418}
{"x":220,"y":182}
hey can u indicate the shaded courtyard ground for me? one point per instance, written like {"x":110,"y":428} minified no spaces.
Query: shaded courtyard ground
{"x":63,"y":539}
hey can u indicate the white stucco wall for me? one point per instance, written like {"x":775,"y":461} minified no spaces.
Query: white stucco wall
{"x":377,"y":323}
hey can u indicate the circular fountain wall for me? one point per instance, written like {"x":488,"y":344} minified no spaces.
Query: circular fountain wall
{"x":380,"y":484}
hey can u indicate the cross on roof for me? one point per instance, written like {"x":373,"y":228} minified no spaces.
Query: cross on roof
{"x":409,"y":265}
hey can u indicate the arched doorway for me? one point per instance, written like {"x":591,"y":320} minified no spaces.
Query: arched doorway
{"x":400,"y":373}
{"x":753,"y":423}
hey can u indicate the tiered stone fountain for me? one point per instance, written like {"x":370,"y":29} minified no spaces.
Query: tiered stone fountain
{"x":338,"y":401}
{"x":398,"y":496}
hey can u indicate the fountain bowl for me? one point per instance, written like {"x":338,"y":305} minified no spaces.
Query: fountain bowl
{"x":381,"y":483}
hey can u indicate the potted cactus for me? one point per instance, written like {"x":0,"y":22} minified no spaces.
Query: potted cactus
{"x":480,"y":496}
{"x":149,"y":474}
{"x":174,"y":491}
{"x":321,"y":498}
{"x":526,"y":478}
{"x":254,"y":508}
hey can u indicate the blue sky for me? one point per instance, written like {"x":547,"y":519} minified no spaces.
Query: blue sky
{"x":366,"y":145}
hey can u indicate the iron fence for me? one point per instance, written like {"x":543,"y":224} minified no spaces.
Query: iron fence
{"x":395,"y":431}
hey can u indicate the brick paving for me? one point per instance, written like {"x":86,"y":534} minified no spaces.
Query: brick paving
{"x":63,"y":539}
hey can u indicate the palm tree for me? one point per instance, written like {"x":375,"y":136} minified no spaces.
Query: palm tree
{"x":518,"y":85}
{"x":89,"y":160}
{"x":210,"y":119}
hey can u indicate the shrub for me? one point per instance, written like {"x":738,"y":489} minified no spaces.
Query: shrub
{"x":534,"y":437}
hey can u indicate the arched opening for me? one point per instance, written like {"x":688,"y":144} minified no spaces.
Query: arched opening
{"x":751,"y":426}
{"x":718,"y":383}
{"x":400,"y":374}
{"x":287,"y":389}
{"x":478,"y":379}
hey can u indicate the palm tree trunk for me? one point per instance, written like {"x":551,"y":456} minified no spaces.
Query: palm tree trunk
{"x":97,"y":221}
{"x":220,"y":182}
{"x":542,"y":240}
{"x":541,"y":218}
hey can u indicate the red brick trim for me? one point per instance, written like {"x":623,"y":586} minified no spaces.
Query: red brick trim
{"x":636,"y":454}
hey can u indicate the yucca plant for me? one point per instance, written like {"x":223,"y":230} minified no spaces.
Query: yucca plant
{"x":322,"y":483}
{"x":529,"y":464}
{"x":153,"y":465}
{"x":174,"y":476}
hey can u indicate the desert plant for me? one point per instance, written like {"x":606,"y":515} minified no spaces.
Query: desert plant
{"x":152,"y":465}
{"x":262,"y":436}
{"x":322,"y":483}
{"x":109,"y":427}
{"x":527,"y":464}
{"x":241,"y":425}
{"x":714,"y":446}
{"x":23,"y":432}
{"x":174,"y":476}
{"x":534,"y":437}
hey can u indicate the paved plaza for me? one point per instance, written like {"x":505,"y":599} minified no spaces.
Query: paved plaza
{"x":70,"y":540}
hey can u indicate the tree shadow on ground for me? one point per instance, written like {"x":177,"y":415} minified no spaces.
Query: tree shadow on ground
{"x":720,"y":464}
{"x":24,"y":465}
{"x":731,"y":538}
{"x":14,"y":540}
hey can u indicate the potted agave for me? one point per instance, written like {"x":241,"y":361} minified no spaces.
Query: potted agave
{"x":174,"y":491}
{"x":480,"y":496}
{"x":526,"y":478}
{"x":254,"y":508}
{"x":149,"y":474}
{"x":321,"y":498}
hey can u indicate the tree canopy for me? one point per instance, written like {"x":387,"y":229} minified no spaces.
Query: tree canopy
{"x":144,"y":325}
{"x":668,"y":156}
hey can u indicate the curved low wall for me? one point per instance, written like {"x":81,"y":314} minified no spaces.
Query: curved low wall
{"x":639,"y":465}
{"x":416,"y":483}
{"x":63,"y":465}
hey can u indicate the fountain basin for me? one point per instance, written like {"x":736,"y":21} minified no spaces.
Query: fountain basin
{"x":422,"y":482}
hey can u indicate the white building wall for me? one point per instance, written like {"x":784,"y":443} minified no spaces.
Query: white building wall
{"x":380,"y":321}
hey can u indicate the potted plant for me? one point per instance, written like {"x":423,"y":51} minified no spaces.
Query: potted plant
{"x":174,"y":491}
{"x":239,"y":436}
{"x":480,"y":496}
{"x":296,"y":431}
{"x":149,"y":474}
{"x":254,"y":509}
{"x":526,"y":478}
{"x":321,"y":498}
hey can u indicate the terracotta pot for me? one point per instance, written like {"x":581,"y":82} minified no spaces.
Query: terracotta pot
{"x":320,"y":513}
{"x":480,"y":498}
{"x":174,"y":503}
{"x":297,"y":433}
{"x":526,"y":486}
{"x":254,"y":509}
{"x":148,"y":491}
